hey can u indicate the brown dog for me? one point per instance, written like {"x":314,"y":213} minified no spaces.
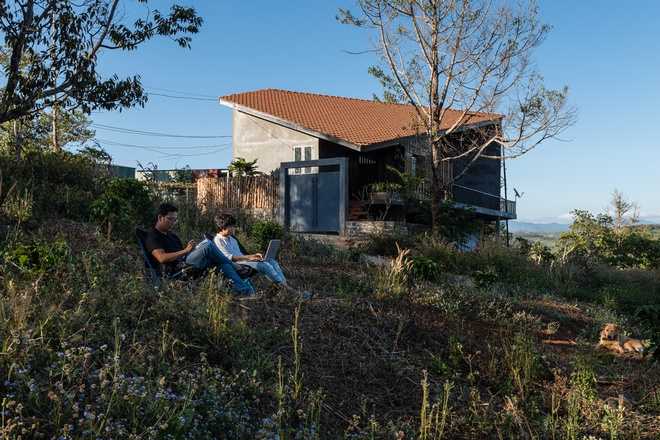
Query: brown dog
{"x":612,"y":339}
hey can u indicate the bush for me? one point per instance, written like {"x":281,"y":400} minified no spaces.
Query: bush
{"x":424,"y":268}
{"x":387,"y":243}
{"x":123,"y":203}
{"x":38,"y":255}
{"x":61,"y":185}
{"x":264,"y":232}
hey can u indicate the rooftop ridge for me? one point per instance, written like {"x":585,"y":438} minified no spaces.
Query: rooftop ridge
{"x":348,"y":98}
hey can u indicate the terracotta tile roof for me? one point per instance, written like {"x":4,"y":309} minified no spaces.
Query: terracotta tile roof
{"x":358,"y":121}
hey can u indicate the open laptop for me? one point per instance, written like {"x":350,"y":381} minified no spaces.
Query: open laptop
{"x":271,"y":252}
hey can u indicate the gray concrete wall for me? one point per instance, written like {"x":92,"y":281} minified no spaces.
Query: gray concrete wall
{"x":271,"y":144}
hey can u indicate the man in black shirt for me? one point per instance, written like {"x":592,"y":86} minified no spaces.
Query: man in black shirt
{"x":165,"y":250}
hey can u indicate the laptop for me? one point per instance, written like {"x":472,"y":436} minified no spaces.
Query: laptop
{"x":273,"y":247}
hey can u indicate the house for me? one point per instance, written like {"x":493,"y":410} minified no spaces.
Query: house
{"x":284,"y":128}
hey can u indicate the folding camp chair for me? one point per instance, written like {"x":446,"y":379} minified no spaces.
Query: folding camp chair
{"x":187,"y":274}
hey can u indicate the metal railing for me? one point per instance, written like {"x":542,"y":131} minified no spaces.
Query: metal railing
{"x":468,"y":196}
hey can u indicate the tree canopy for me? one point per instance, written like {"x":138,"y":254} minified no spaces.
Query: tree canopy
{"x":52,"y":50}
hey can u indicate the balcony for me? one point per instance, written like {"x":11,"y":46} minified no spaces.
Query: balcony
{"x":484,"y":203}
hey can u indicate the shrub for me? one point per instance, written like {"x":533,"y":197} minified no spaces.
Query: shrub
{"x":62,"y":184}
{"x":387,"y":243}
{"x":424,"y":268}
{"x":264,"y":232}
{"x":38,"y":255}
{"x":123,"y":203}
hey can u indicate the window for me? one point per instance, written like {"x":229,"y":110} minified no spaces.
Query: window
{"x":302,"y":154}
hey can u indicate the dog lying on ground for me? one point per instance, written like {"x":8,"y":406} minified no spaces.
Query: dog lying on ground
{"x":612,"y":339}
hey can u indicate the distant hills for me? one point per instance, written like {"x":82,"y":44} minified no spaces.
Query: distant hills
{"x":515,"y":226}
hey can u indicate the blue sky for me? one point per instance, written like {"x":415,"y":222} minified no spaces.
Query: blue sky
{"x":606,"y":51}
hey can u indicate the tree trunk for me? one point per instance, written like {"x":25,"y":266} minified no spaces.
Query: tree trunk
{"x":56,"y":145}
{"x":437,"y":184}
{"x":18,"y":137}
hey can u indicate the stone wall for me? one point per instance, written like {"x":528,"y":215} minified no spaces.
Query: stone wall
{"x":358,"y":228}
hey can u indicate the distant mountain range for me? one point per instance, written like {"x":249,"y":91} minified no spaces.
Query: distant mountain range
{"x":515,"y":226}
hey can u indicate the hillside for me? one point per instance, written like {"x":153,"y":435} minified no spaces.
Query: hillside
{"x":377,"y":352}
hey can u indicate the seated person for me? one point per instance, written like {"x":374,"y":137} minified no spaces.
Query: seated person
{"x":228,"y":245}
{"x":166,"y":248}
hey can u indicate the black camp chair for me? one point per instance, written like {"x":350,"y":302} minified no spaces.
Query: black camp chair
{"x":188,"y":274}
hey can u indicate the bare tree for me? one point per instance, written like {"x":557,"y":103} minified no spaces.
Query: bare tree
{"x":474,"y":56}
{"x":620,"y":206}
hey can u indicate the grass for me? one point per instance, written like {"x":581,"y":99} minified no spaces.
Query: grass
{"x":490,"y":346}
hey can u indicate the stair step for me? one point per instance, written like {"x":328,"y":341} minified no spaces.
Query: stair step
{"x":356,"y":211}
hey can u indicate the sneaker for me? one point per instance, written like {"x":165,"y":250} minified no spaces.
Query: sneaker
{"x":251,"y":295}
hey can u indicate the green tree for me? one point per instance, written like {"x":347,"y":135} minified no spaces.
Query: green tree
{"x":472,"y":55}
{"x":597,"y":239}
{"x":54,"y":46}
{"x":241,"y":167}
{"x":36,"y":134}
{"x":590,"y":238}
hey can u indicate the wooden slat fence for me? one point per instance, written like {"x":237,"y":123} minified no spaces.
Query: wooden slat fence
{"x":259,"y":194}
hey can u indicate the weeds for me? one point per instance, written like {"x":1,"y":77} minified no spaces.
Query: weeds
{"x":433,"y":418}
{"x":87,"y":350}
{"x":391,"y":279}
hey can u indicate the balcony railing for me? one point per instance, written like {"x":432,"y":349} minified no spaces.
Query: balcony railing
{"x":468,"y":196}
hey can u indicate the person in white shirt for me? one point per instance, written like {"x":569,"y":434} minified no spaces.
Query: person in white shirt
{"x":228,"y":245}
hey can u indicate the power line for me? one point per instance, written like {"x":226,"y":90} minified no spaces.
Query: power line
{"x":167,"y":154}
{"x":120,"y":144}
{"x":183,"y":93}
{"x":182,"y":97}
{"x":150,"y":133}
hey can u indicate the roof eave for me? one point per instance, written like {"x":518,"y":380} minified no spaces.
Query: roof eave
{"x":291,"y":125}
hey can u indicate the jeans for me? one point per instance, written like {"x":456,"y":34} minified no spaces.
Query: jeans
{"x":206,"y":256}
{"x":270,"y":268}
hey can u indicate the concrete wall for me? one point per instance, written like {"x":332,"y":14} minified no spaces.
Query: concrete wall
{"x":271,"y":144}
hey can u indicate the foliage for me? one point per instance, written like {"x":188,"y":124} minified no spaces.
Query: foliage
{"x":422,"y":268}
{"x":649,"y":315}
{"x":39,"y":255}
{"x":36,"y":133}
{"x":122,"y":204}
{"x":55,"y":62}
{"x":183,"y":175}
{"x":596,"y":240}
{"x":486,"y":278}
{"x":96,"y":154}
{"x":538,"y":252}
{"x":241,"y":167}
{"x":439,"y":358}
{"x":387,"y":243}
{"x":16,"y":208}
{"x":264,"y":232}
{"x":457,"y":223}
{"x":58,"y":184}
{"x":394,"y":188}
{"x":487,"y":350}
